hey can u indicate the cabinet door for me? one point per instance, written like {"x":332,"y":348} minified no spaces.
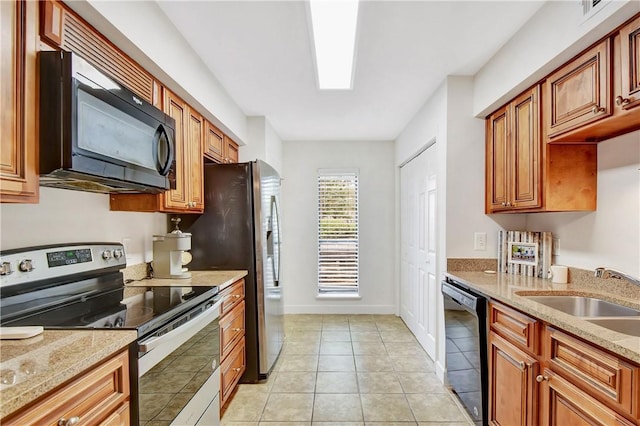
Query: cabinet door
{"x":526,"y":185}
{"x":232,"y":154}
{"x":213,"y":143}
{"x":18,"y":127}
{"x":194,"y":168}
{"x":580,"y":92}
{"x":512,"y":386}
{"x":177,"y":109}
{"x":497,"y":178}
{"x":566,"y":405}
{"x":630,"y":62}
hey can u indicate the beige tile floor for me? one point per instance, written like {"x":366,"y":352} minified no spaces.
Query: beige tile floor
{"x":347,"y":370}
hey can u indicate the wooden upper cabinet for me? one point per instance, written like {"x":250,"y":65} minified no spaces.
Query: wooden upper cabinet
{"x":18,"y":99}
{"x":525,"y":175}
{"x":213,"y":143}
{"x":513,"y":151}
{"x":188,"y":195}
{"x":195,"y":161}
{"x":62,"y":28}
{"x":497,"y":159}
{"x":629,"y":95}
{"x":176,"y":108}
{"x":580,"y":92}
{"x":596,"y":96}
{"x":231,"y":150}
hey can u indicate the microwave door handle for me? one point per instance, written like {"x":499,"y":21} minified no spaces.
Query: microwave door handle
{"x":163,"y":169}
{"x":192,"y":327}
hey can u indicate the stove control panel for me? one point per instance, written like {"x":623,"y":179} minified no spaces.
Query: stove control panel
{"x":32,"y":264}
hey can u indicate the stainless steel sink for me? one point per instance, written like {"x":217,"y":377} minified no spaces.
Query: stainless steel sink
{"x":630,"y":326}
{"x":580,"y":306}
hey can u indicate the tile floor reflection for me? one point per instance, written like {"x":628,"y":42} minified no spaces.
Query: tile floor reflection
{"x":344,"y":370}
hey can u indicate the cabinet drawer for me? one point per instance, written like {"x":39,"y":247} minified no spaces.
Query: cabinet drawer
{"x":604,"y":376}
{"x":231,"y":329}
{"x":518,"y":328}
{"x":93,"y":397}
{"x":232,"y":369}
{"x":231,"y":296}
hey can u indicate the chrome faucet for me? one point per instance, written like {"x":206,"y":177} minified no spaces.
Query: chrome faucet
{"x":610,"y":273}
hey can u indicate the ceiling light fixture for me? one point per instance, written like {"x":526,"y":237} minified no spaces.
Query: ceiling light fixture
{"x":334,"y":25}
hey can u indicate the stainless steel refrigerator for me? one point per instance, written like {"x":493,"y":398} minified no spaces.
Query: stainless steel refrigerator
{"x":239,"y":229}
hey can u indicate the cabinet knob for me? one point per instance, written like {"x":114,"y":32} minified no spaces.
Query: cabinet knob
{"x":237,"y":369}
{"x":541,"y":378}
{"x":504,"y":204}
{"x":620,"y":101}
{"x":69,"y":422}
{"x":236,"y":329}
{"x":508,"y":204}
{"x":596,"y":109}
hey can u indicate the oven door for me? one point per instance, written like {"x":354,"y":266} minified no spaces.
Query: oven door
{"x":178,"y":369}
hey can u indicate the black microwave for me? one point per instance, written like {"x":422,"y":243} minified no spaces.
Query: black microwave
{"x":98,"y":136}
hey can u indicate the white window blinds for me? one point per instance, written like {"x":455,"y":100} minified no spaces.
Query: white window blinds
{"x":337,"y":231}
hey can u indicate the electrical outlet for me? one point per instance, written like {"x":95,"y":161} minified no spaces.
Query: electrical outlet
{"x":555,"y":246}
{"x":480,"y":241}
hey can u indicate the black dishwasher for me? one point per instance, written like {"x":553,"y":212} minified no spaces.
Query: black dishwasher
{"x":465,"y":319}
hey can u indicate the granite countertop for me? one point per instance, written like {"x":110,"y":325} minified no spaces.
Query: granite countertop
{"x":41,"y":363}
{"x":512,"y":291}
{"x":221,"y":279}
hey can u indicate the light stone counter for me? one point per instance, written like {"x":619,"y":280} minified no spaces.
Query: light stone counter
{"x":221,"y":279}
{"x":512,"y":290}
{"x":42,"y":363}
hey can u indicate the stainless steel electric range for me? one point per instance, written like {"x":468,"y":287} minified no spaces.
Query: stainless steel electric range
{"x":175,"y":375}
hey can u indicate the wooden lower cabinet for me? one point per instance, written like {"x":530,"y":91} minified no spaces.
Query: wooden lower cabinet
{"x":568,"y":382}
{"x":99,"y":396}
{"x":513,"y":394}
{"x":563,"y":404}
{"x":233,"y":358}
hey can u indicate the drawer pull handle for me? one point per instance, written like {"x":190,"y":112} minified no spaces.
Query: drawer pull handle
{"x":620,"y":101}
{"x":541,"y":378}
{"x":237,"y":369}
{"x":70,"y":422}
{"x":237,"y":296}
{"x":596,"y":109}
{"x":236,"y":329}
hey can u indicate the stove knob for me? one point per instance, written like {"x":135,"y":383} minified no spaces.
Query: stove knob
{"x":5,"y":268}
{"x":117,"y":253}
{"x":26,"y":265}
{"x":106,"y":255}
{"x":119,"y":322}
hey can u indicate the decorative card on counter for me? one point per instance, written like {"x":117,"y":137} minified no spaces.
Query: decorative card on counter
{"x":525,"y":253}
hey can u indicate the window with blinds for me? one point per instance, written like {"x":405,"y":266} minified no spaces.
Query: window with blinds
{"x":338,"y":232}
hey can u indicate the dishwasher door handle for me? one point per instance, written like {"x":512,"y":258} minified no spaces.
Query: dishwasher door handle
{"x":468,"y":300}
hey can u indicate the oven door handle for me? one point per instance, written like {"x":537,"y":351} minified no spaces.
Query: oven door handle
{"x":191,"y":327}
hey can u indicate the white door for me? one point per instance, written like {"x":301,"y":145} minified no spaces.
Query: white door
{"x":418,"y":277}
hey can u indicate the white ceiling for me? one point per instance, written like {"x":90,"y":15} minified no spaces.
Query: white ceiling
{"x":261,"y":52}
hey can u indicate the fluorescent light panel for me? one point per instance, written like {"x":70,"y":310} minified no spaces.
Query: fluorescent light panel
{"x":334,"y":34}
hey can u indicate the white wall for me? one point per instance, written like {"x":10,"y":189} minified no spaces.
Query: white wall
{"x":263,"y":143}
{"x":299,"y":224}
{"x":555,"y":34}
{"x":146,"y":34}
{"x":609,"y":236}
{"x":64,"y":216}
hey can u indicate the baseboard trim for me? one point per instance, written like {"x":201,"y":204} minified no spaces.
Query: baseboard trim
{"x":340,"y":309}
